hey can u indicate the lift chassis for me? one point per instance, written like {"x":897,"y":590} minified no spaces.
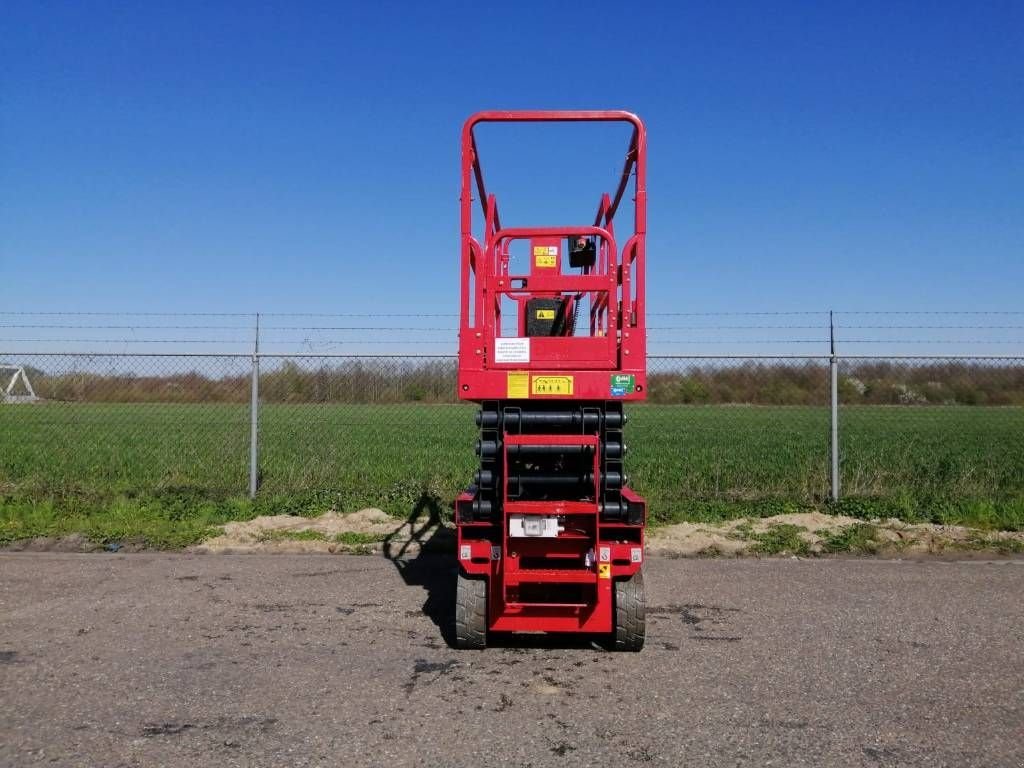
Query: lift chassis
{"x":550,"y":535}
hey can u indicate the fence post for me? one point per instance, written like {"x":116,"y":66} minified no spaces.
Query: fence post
{"x":833,"y":365}
{"x":254,"y":416}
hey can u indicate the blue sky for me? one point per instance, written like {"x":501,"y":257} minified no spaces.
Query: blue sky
{"x":303,"y":157}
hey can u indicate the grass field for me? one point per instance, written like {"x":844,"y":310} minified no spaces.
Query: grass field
{"x":166,"y":472}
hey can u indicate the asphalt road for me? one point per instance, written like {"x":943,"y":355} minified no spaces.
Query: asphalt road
{"x":182,"y":660}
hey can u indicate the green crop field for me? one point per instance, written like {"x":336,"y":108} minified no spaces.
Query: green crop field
{"x":164,"y":472}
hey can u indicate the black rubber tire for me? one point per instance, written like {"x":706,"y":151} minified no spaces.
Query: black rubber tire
{"x":471,"y":613}
{"x":630,"y":613}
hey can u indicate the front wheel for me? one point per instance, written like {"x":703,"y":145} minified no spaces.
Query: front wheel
{"x":630,"y":613}
{"x":471,"y":613}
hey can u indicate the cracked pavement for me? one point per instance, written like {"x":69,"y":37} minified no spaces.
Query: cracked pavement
{"x":186,"y":660}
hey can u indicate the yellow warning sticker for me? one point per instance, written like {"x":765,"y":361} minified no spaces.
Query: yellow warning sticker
{"x":540,"y":250}
{"x":518,"y":386}
{"x":546,"y":260}
{"x":604,"y":570}
{"x":551,"y":385}
{"x":545,"y":314}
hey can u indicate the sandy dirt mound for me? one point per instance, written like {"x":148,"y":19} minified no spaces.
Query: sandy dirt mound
{"x":915,"y":538}
{"x":816,"y":534}
{"x":812,"y":521}
{"x":368,"y":530}
{"x":687,"y":539}
{"x":804,"y":534}
{"x":736,"y":537}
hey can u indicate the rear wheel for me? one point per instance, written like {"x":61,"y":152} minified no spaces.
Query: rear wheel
{"x":471,"y":613}
{"x":630,"y":613}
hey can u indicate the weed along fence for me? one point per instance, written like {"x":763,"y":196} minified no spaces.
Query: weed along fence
{"x":931,"y":438}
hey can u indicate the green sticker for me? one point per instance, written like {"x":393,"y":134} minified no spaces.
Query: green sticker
{"x":622,"y":384}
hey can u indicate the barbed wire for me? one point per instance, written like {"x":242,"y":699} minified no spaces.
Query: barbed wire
{"x":928,"y":312}
{"x":933,"y":327}
{"x":352,"y":328}
{"x":250,"y":315}
{"x":333,"y":343}
{"x":417,"y":329}
{"x":762,"y":326}
{"x":358,"y":314}
{"x":929,"y":341}
{"x":838,"y":341}
{"x":127,"y":314}
{"x":128,"y":341}
{"x":653,"y":342}
{"x":451,"y":356}
{"x":738,"y":341}
{"x":39,"y":326}
{"x":736,"y":314}
{"x":708,"y":313}
{"x":227,"y":341}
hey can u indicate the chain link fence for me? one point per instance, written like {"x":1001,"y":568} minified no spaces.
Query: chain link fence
{"x":134,"y":424}
{"x":383,"y":431}
{"x":726,"y":431}
{"x":925,"y":432}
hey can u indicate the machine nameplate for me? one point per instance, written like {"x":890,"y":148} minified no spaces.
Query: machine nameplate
{"x":622,"y":384}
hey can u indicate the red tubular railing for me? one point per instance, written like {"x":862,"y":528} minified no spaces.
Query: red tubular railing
{"x":481,"y":263}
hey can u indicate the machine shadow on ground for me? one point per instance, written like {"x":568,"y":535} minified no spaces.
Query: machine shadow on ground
{"x":423,"y":552}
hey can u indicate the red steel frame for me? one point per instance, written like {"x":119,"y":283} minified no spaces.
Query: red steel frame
{"x":617,"y":345}
{"x":621,"y":347}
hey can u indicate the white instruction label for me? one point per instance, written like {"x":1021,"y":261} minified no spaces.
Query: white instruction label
{"x":514,"y":350}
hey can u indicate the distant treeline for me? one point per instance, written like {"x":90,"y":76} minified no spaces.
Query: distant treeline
{"x":768,"y":382}
{"x":350,"y":381}
{"x":896,"y":382}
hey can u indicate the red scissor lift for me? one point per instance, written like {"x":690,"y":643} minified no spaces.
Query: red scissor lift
{"x":550,"y":536}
